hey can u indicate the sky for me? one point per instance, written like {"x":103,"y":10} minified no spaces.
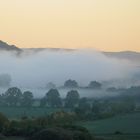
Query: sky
{"x":108,"y":25}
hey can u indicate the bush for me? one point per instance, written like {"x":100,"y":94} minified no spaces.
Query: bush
{"x":3,"y":122}
{"x":118,"y":133}
{"x":52,"y":134}
{"x":65,"y":133}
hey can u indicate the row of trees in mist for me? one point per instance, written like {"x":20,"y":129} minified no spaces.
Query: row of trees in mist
{"x":83,"y":107}
{"x":14,"y":97}
{"x":52,"y":99}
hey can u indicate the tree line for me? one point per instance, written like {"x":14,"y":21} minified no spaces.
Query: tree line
{"x":84,"y":107}
{"x":14,"y":97}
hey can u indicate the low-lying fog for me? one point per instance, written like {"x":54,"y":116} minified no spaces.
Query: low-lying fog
{"x":39,"y":93}
{"x":33,"y":70}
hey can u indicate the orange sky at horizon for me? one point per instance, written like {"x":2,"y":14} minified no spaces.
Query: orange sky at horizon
{"x":108,"y":25}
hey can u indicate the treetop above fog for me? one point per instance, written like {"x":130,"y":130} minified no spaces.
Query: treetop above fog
{"x":71,"y":84}
{"x":95,"y":85}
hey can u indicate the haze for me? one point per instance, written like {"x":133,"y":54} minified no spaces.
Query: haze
{"x":36,"y":69}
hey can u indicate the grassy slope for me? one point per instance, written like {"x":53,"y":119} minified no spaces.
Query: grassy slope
{"x":129,"y":123}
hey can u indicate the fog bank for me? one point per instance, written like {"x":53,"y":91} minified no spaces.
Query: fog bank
{"x":37,"y":68}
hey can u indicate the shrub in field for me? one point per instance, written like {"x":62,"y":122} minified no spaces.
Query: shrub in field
{"x":61,"y":117}
{"x":3,"y":122}
{"x":58,"y":133}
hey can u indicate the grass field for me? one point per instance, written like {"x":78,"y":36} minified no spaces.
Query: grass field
{"x":118,"y":137}
{"x":128,"y":125}
{"x":18,"y":112}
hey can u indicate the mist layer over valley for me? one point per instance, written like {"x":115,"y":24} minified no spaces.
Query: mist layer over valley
{"x":34,"y":68}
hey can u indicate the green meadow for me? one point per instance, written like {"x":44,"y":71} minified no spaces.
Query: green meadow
{"x":19,"y":112}
{"x":128,"y":127}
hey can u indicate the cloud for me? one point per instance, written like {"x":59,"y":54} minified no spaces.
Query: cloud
{"x":39,"y":68}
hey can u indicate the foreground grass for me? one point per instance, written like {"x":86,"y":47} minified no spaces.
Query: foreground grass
{"x":126,"y":124}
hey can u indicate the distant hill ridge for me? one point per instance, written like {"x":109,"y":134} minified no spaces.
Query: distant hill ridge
{"x":128,"y":55}
{"x":7,"y":47}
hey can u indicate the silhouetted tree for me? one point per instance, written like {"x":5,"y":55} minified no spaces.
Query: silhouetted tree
{"x":13,"y":96}
{"x":95,"y":85}
{"x":3,"y":122}
{"x":43,"y":102}
{"x":71,"y":84}
{"x":53,"y":98}
{"x":72,"y":99}
{"x":27,"y":99}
